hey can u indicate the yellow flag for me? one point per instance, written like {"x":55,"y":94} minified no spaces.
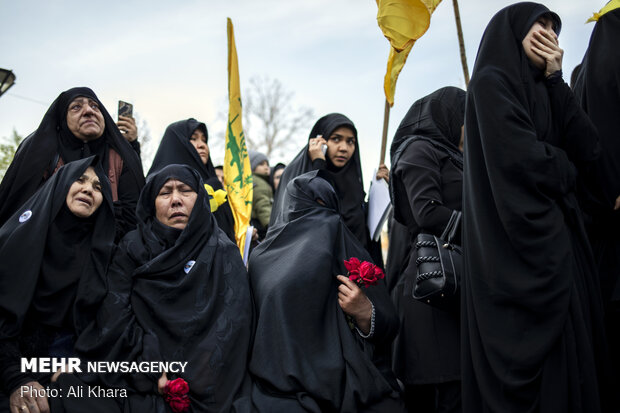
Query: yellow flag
{"x":612,"y":5}
{"x":402,"y":23}
{"x":237,"y":171}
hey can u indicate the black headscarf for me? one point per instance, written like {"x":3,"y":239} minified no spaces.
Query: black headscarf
{"x":176,"y":148}
{"x":437,"y":119}
{"x":61,"y":259}
{"x":530,"y":314}
{"x":37,"y":156}
{"x":347,"y":180}
{"x":321,"y":365}
{"x":176,"y":295}
{"x":275,"y":169}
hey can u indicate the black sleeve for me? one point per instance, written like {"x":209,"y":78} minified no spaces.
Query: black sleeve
{"x":579,"y":135}
{"x":11,"y":377}
{"x":319,"y":163}
{"x":136,"y":146}
{"x":419,"y":169}
{"x":125,"y":206}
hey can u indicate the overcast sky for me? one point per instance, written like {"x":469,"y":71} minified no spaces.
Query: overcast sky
{"x":169,"y":58}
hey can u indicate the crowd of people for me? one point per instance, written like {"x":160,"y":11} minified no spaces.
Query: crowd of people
{"x":99,"y":263}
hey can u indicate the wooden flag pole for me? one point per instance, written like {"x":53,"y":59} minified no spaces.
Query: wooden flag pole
{"x":459,"y":30}
{"x":386,"y":119}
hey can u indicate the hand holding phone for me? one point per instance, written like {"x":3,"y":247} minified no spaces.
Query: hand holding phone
{"x":317,"y":148}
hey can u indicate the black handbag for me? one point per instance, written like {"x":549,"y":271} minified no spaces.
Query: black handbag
{"x":438,"y":263}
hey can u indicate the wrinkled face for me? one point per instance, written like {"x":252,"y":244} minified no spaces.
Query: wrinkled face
{"x":543,"y":24}
{"x":84,"y":196}
{"x":174,"y":203}
{"x":276,"y":177}
{"x":341,"y":146}
{"x":84,"y":119}
{"x":262,"y":168}
{"x":199,"y":140}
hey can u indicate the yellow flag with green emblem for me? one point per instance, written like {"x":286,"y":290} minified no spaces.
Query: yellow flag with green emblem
{"x":402,"y":23}
{"x":237,"y":170}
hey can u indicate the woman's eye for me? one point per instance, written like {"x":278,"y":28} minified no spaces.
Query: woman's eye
{"x":351,"y":141}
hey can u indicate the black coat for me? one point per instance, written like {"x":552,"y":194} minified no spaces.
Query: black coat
{"x":531,"y":314}
{"x":38,"y":155}
{"x":174,"y":295}
{"x":427,"y":171}
{"x":61,"y":271}
{"x":305,"y":356}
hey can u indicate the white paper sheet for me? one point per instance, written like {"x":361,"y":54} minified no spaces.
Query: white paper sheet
{"x":379,"y":206}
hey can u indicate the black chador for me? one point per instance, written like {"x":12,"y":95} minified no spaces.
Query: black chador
{"x":531,"y":313}
{"x":426,"y":182}
{"x":305,"y":356}
{"x":52,"y":274}
{"x":598,"y":90}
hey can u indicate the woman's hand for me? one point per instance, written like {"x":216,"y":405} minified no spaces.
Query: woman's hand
{"x":617,"y":206}
{"x":161,"y":383}
{"x":383,"y":172}
{"x":354,"y":302}
{"x":315,"y":148}
{"x":30,"y":402}
{"x":128,"y":127}
{"x":546,"y":45}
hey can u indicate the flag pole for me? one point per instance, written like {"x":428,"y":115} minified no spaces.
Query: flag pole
{"x":459,"y":31}
{"x":386,"y":118}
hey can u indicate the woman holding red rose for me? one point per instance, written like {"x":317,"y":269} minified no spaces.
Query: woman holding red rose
{"x":321,"y":341}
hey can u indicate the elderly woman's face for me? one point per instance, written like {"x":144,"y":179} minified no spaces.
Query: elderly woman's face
{"x":174,"y":203}
{"x":84,"y":196}
{"x":84,"y":119}
{"x":199,"y":140}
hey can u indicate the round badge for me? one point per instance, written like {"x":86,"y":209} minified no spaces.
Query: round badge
{"x":25,"y":216}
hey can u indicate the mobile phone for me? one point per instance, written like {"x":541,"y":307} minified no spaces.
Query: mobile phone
{"x":324,"y":149}
{"x":125,"y":109}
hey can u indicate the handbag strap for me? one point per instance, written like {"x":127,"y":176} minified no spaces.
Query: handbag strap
{"x":453,"y":225}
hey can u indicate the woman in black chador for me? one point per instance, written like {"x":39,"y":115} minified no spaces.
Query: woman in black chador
{"x":598,"y":90}
{"x":54,"y":253}
{"x":427,"y":176}
{"x":531,"y":313}
{"x":186,"y":143}
{"x":342,"y":160}
{"x":74,"y":127}
{"x":306,"y":357}
{"x":178,"y":291}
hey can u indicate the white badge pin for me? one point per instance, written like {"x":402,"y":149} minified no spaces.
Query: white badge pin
{"x":189,"y":266}
{"x":25,"y":216}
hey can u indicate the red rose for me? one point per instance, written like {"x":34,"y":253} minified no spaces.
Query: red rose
{"x":178,"y":404}
{"x":177,"y":387}
{"x":363,"y":273}
{"x":175,"y":393}
{"x":352,"y":265}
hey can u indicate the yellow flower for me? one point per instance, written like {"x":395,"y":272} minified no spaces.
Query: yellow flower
{"x":216,"y":198}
